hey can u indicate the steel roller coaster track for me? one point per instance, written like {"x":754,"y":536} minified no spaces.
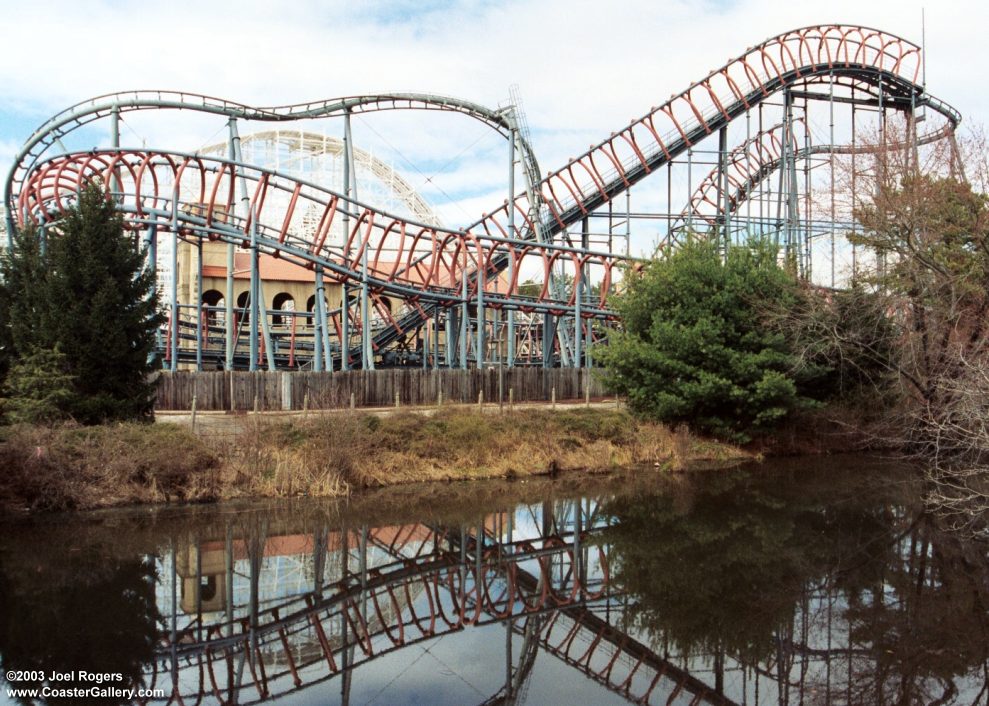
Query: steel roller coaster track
{"x":756,"y":159}
{"x":431,"y":268}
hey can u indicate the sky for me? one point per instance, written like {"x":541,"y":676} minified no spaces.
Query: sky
{"x":583,"y":68}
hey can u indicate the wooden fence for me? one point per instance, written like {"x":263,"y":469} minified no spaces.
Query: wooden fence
{"x":370,"y":388}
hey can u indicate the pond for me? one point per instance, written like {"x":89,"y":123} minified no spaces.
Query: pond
{"x":819,"y":581}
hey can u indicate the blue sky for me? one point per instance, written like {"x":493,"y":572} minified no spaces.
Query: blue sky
{"x":584,"y":68}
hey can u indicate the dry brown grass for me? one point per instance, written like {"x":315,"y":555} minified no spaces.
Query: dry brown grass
{"x":85,"y":467}
{"x":70,"y":466}
{"x":334,"y":454}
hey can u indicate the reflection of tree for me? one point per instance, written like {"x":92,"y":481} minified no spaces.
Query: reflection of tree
{"x":70,"y":611}
{"x":727,"y":565}
{"x":725,"y":572}
{"x":927,"y":624}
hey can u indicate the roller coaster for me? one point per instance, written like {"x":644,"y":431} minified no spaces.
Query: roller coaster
{"x":527,"y":283}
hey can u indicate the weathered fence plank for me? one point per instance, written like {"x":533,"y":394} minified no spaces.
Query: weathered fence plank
{"x":219,"y":390}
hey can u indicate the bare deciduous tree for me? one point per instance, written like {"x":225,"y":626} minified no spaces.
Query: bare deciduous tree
{"x":923,"y":215}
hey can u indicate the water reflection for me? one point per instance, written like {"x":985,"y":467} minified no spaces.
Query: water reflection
{"x":267,"y":612}
{"x":804,"y":592}
{"x":87,"y":610}
{"x":776,"y":587}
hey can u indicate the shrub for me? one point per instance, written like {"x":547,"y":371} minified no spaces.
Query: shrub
{"x":696,"y":349}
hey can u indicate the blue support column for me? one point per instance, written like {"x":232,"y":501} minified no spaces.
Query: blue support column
{"x":511,"y":335}
{"x":345,"y":313}
{"x":254,"y":296}
{"x":345,"y":327}
{"x":259,"y":310}
{"x":115,"y":126}
{"x":481,"y":319}
{"x":322,"y":340}
{"x":199,"y":304}
{"x":436,"y":339}
{"x":784,"y":172}
{"x":228,"y":318}
{"x":367,"y":354}
{"x":317,"y":323}
{"x":464,"y":318}
{"x":174,"y":344}
{"x":367,"y":348}
{"x":269,"y":349}
{"x":43,"y":238}
{"x":585,"y":290}
{"x":792,"y":205}
{"x":588,"y":340}
{"x":511,"y":234}
{"x":578,"y":334}
{"x":723,"y":196}
{"x":115,"y":186}
{"x":451,"y":317}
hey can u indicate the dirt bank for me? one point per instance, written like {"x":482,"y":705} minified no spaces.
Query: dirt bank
{"x":68,"y":467}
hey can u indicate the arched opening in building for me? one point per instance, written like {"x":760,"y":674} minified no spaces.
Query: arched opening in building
{"x":311,"y":308}
{"x":243,"y":300}
{"x":283,"y":301}
{"x":214,"y":304}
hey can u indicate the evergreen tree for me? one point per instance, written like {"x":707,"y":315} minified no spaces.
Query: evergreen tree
{"x":103,"y":311}
{"x":22,"y":298}
{"x":696,"y":348}
{"x":37,"y":389}
{"x":80,"y":313}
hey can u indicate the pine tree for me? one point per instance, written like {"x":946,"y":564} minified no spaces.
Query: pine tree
{"x":37,"y":389}
{"x":23,"y":273}
{"x":101,"y":312}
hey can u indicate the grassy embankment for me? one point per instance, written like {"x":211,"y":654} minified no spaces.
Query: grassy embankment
{"x":86,"y":467}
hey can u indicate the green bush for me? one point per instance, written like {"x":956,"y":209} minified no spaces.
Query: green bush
{"x":696,"y":348}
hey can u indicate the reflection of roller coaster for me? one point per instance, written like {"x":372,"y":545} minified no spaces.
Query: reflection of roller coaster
{"x":256,"y":615}
{"x":456,"y":296}
{"x":410,"y":585}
